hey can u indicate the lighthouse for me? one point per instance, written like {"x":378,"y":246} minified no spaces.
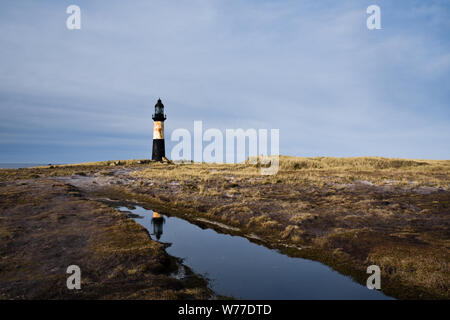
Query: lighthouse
{"x":157,"y":222}
{"x":158,"y":132}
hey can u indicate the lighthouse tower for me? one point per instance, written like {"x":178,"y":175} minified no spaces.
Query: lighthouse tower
{"x":158,"y":132}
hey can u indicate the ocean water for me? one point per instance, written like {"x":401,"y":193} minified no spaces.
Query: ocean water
{"x":20,"y":165}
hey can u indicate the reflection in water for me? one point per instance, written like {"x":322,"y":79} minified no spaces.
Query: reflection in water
{"x":157,"y":222}
{"x":239,"y":268}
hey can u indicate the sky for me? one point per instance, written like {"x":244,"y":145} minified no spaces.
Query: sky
{"x":309,"y":68}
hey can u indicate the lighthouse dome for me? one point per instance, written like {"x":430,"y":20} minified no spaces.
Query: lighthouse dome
{"x":159,"y":107}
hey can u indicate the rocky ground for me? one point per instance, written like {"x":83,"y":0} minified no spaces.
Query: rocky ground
{"x":347,"y":214}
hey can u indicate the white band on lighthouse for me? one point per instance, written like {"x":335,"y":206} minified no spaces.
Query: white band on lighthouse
{"x":158,"y":130}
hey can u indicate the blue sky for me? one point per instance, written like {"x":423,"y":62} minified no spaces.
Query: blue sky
{"x":309,"y":68}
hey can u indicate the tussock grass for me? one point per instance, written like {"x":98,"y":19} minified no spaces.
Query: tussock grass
{"x":358,"y":163}
{"x":320,"y":170}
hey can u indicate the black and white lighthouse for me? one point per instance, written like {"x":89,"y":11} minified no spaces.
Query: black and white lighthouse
{"x":158,"y":132}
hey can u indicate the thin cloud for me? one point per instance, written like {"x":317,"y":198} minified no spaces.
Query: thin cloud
{"x":311,"y":69}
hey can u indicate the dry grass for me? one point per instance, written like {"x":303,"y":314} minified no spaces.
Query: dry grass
{"x":359,"y":163}
{"x":320,"y":170}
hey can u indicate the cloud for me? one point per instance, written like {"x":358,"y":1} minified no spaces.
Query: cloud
{"x":311,"y":69}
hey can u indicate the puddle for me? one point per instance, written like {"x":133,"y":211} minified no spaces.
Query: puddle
{"x":239,"y":268}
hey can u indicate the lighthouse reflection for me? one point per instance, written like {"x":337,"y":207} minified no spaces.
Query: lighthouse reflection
{"x":157,"y":223}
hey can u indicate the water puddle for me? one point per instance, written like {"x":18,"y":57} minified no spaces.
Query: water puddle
{"x":239,"y":268}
